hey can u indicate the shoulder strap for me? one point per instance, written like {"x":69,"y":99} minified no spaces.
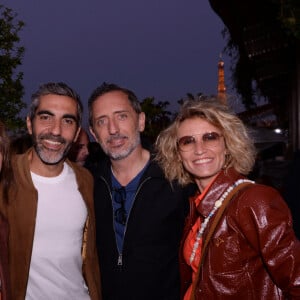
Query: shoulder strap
{"x":214,"y":225}
{"x":219,"y":215}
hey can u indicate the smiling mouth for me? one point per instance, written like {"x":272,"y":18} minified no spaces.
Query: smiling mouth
{"x":202,"y":161}
{"x":117,"y":142}
{"x":51,"y":145}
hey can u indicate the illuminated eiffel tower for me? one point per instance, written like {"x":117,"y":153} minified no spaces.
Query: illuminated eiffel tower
{"x":221,"y":82}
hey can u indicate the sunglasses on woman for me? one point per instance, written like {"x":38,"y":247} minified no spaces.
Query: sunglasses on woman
{"x":208,"y":140}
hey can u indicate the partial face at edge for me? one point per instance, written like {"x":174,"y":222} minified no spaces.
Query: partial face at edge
{"x":81,"y":148}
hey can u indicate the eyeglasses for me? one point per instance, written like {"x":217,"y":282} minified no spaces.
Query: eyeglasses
{"x":120,"y":213}
{"x":209,"y":140}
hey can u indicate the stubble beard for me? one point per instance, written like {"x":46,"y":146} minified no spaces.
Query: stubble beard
{"x":119,"y":155}
{"x":48,"y":156}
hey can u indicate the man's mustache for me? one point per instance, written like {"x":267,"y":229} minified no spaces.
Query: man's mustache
{"x":116,"y":137}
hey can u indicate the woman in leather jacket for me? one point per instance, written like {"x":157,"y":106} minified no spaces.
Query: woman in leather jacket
{"x":238,"y":241}
{"x":5,"y":178}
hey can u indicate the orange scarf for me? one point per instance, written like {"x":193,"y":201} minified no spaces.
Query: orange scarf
{"x":190,"y":241}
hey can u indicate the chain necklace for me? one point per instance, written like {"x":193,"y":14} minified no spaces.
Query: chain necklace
{"x":217,"y":204}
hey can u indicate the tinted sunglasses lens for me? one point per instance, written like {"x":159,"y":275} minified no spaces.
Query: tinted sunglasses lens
{"x":120,"y":213}
{"x":186,"y":142}
{"x":120,"y":195}
{"x":210,"y":137}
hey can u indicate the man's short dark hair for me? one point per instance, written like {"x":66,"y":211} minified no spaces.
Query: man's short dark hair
{"x":54,"y":88}
{"x":111,"y":87}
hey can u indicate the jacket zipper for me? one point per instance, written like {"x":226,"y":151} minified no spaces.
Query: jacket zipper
{"x":120,"y":260}
{"x":120,"y":256}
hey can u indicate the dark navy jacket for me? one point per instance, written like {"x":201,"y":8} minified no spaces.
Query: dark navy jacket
{"x":147,"y":268}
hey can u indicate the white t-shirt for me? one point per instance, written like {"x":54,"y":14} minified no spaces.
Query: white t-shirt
{"x":56,"y":262}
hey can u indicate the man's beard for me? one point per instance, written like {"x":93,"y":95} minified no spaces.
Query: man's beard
{"x":48,"y":156}
{"x":118,"y":155}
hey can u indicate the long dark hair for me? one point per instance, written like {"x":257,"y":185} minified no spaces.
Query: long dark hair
{"x":6,"y":174}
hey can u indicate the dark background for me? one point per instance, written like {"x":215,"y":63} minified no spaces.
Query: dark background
{"x":162,"y":49}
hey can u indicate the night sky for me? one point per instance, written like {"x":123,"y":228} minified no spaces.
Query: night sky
{"x":159,"y":48}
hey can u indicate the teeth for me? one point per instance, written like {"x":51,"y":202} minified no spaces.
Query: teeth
{"x":201,"y":161}
{"x":52,"y":142}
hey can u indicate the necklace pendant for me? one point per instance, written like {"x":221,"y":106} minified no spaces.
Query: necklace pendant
{"x":218,"y":203}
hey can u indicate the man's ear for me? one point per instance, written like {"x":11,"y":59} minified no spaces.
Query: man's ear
{"x":93,"y":133}
{"x":29,"y":125}
{"x":142,"y":121}
{"x":77,"y":134}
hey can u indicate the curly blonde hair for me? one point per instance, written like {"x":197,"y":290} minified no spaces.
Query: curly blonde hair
{"x":238,"y":142}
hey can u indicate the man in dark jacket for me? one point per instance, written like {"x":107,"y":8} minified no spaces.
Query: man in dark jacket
{"x":139,"y":214}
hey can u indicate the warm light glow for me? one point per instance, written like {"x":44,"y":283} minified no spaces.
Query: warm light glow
{"x":278,"y":130}
{"x":221,"y":82}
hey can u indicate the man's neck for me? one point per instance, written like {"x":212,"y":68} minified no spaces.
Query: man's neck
{"x":126,"y":169}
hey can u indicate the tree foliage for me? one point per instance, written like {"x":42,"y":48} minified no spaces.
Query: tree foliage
{"x":11,"y":54}
{"x":189,"y":96}
{"x":157,"y":117}
{"x":289,"y":16}
{"x":278,"y":28}
{"x":243,"y":74}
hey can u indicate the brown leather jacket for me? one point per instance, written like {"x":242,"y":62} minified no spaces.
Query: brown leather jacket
{"x":253,"y":253}
{"x":21,"y":214}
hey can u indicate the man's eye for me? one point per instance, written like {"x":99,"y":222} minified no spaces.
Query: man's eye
{"x":122,"y":116}
{"x":68,"y":121}
{"x":44,"y":117}
{"x":101,"y":122}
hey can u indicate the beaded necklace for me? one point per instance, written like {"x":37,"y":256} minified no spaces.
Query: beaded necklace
{"x":217,"y":204}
